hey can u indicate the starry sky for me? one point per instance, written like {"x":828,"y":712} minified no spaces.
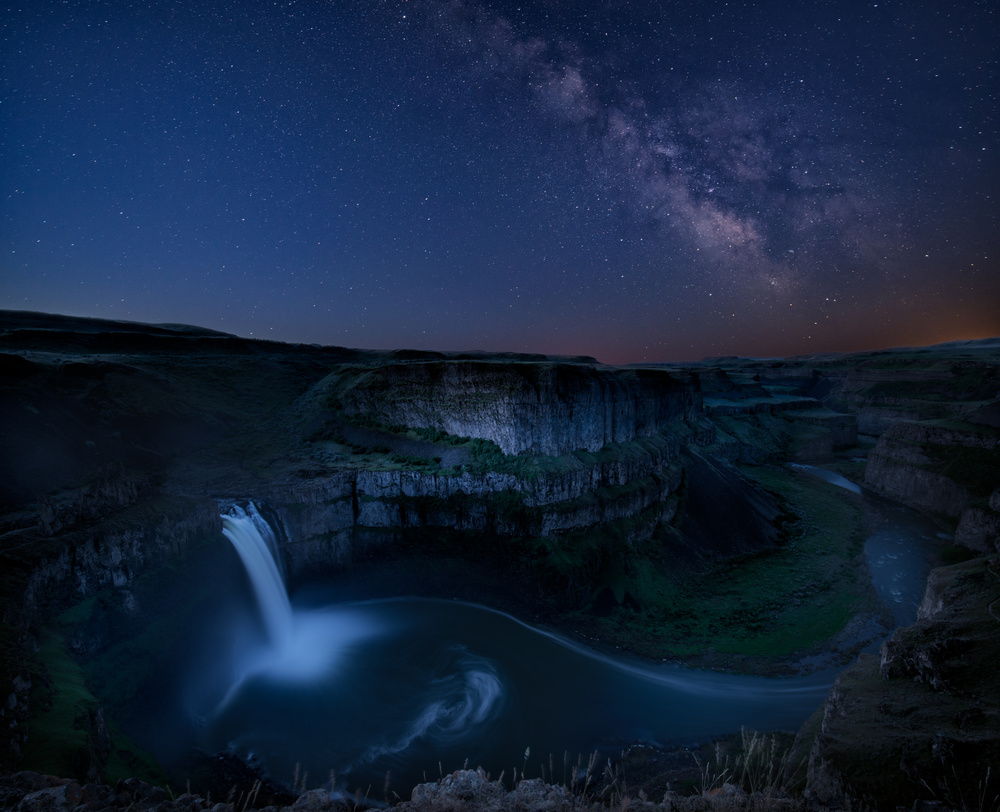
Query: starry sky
{"x":637,"y":181}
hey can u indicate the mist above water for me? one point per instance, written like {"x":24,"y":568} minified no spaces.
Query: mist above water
{"x":298,"y":646}
{"x":401,"y":685}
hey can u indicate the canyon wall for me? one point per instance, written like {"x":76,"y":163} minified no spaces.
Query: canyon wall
{"x":535,"y":408}
{"x":904,"y":466}
{"x":123,"y":446}
{"x":323,"y":514}
{"x":947,"y":468}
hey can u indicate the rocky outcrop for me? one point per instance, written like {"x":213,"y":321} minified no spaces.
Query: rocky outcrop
{"x":113,"y":488}
{"x":906,"y":386}
{"x":583,"y":493}
{"x":32,"y":792}
{"x":473,"y":790}
{"x":83,"y":562}
{"x":979,"y":529}
{"x":934,"y":467}
{"x":61,"y":570}
{"x":726,"y":407}
{"x":918,"y":383}
{"x":461,"y":791}
{"x":923,"y":718}
{"x":541,"y":408}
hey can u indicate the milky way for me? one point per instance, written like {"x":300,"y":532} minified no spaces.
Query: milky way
{"x":636,"y":181}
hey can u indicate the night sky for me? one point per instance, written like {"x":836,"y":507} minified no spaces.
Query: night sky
{"x":638,"y":181}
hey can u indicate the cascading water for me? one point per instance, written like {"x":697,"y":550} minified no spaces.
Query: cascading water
{"x":403,"y":684}
{"x":313,"y":671}
{"x":253,"y":539}
{"x":316,"y":684}
{"x":300,"y":645}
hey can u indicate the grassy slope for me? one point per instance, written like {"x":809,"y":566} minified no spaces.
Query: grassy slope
{"x":770,"y":605}
{"x":64,"y":708}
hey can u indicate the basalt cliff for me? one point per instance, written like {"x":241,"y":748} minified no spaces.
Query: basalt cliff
{"x":577,"y":483}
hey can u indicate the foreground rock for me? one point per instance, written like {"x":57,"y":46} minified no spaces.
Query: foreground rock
{"x":461,"y":791}
{"x":922,"y":720}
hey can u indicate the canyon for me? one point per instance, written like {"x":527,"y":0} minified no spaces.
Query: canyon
{"x":590,"y":493}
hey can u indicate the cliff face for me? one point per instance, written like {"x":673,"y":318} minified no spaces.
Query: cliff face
{"x":901,"y":467}
{"x":936,"y":414}
{"x":545,"y":408}
{"x":946,"y":467}
{"x":881,"y":387}
{"x":920,"y":385}
{"x":124,"y":442}
{"x":52,"y":571}
{"x":923,"y":719}
{"x":979,"y":527}
{"x":327,"y":517}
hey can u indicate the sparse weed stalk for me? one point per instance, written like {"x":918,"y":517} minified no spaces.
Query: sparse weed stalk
{"x":759,"y":763}
{"x":254,"y":792}
{"x":989,"y":797}
{"x":592,"y":761}
{"x":761,"y":768}
{"x":714,"y":773}
{"x":611,"y":790}
{"x":986,"y":799}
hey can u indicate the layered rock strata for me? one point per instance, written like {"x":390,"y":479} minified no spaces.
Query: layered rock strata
{"x":937,"y":467}
{"x":538,"y":408}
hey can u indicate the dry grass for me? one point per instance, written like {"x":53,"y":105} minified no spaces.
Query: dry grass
{"x":754,"y":779}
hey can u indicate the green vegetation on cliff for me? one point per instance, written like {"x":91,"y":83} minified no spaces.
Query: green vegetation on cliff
{"x":70,"y":734}
{"x":771,"y":604}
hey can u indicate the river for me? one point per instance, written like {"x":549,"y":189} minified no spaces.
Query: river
{"x":900,"y":547}
{"x":409,"y":686}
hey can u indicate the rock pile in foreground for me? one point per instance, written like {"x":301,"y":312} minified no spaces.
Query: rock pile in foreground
{"x":461,"y":791}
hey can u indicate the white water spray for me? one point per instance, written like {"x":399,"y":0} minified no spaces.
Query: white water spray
{"x":301,"y":645}
{"x":315,"y":660}
{"x":399,"y":683}
{"x":251,"y":535}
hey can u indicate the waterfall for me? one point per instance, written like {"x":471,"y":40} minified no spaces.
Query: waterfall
{"x":254,"y":541}
{"x":301,"y":645}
